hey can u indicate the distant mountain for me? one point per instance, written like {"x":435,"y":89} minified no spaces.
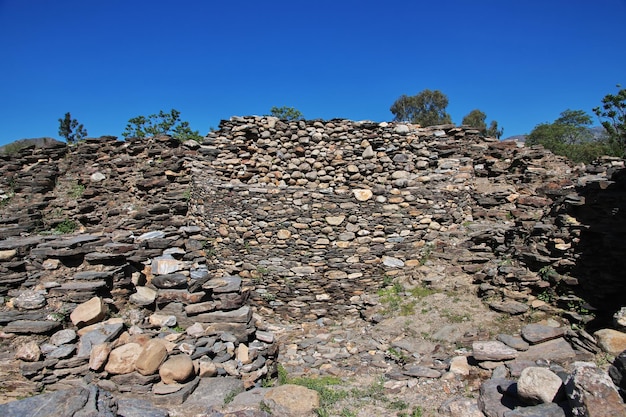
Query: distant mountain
{"x":24,"y":143}
{"x":517,"y":138}
{"x":598,"y":132}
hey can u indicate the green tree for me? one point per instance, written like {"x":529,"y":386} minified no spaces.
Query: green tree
{"x":161,"y":124}
{"x":476,"y":119}
{"x":612,"y":115}
{"x":493,"y":131}
{"x":70,"y":129}
{"x":569,"y":135}
{"x":427,"y":108}
{"x":286,"y":113}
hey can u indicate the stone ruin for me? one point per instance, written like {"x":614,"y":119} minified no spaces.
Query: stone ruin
{"x":173,"y":254}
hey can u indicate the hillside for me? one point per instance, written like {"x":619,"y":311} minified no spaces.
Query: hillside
{"x":424,"y":262}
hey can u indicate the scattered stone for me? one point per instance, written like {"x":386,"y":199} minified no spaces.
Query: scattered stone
{"x":89,"y":312}
{"x":151,"y":357}
{"x":292,"y":400}
{"x":28,"y":352}
{"x":511,"y":307}
{"x":30,"y":300}
{"x":540,"y":385}
{"x":177,"y":368}
{"x":537,"y":333}
{"x":592,"y":393}
{"x":122,"y":359}
{"x":611,"y":341}
{"x":493,"y":351}
{"x":513,"y":341}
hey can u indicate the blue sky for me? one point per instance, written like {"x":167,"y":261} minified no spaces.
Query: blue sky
{"x":521,"y":62}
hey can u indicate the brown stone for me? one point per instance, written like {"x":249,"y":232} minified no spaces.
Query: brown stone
{"x":177,"y":368}
{"x":292,"y":400}
{"x":611,"y":341}
{"x":122,"y":359}
{"x":151,"y":357}
{"x":89,"y":312}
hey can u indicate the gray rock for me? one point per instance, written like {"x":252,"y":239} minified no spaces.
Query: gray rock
{"x":170,"y":281}
{"x":511,"y":307}
{"x":540,"y":385}
{"x":537,"y":333}
{"x":552,"y":350}
{"x":31,"y":326}
{"x":515,"y":342}
{"x":592,"y":393}
{"x":497,"y":396}
{"x":78,"y":402}
{"x":63,"y":337}
{"x":421,"y":372}
{"x":101,"y":334}
{"x":541,"y":410}
{"x":460,"y":407}
{"x":492,"y":351}
{"x":30,"y":300}
{"x":131,"y":407}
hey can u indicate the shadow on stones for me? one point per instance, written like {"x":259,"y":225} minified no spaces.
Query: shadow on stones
{"x":601,"y":263}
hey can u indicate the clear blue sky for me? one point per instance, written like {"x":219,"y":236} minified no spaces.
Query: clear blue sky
{"x":521,"y":62}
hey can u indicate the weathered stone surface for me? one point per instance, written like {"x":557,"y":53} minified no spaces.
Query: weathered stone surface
{"x":89,"y":312}
{"x":611,"y":341}
{"x":540,"y":385}
{"x":493,"y":351}
{"x":497,"y":396}
{"x":74,"y":402}
{"x":132,"y":407}
{"x":101,"y":333}
{"x":292,"y":400}
{"x":511,"y":307}
{"x":537,"y":333}
{"x":541,"y":410}
{"x":460,"y":407}
{"x":63,"y":337}
{"x":123,"y":358}
{"x":143,"y":296}
{"x":31,"y":326}
{"x":151,"y":357}
{"x":592,"y":393}
{"x":241,"y":315}
{"x":513,"y":341}
{"x":28,"y":352}
{"x":177,"y":368}
{"x":552,"y":350}
{"x":421,"y":372}
{"x":99,"y":355}
{"x":179,"y":396}
{"x":30,"y":300}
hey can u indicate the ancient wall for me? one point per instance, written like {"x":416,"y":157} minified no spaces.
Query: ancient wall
{"x":303,"y":219}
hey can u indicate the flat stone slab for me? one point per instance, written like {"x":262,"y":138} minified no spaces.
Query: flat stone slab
{"x":515,"y":342}
{"x":537,"y":333}
{"x":552,"y":350}
{"x":421,"y":372}
{"x":178,"y":397}
{"x":493,"y":351}
{"x":32,"y":326}
{"x":511,"y":307}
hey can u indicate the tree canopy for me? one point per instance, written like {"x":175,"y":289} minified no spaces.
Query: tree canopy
{"x":570,"y":135}
{"x":427,"y":108}
{"x":477,"y":119}
{"x":612,"y":115}
{"x":161,"y":124}
{"x":71,"y":130}
{"x":286,"y":113}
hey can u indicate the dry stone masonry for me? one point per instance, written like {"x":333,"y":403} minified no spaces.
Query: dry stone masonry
{"x":150,"y":266}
